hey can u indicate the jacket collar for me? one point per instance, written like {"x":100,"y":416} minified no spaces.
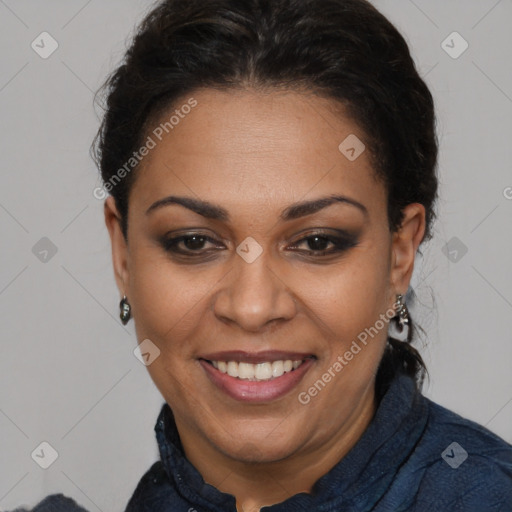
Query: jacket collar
{"x":359,"y":480}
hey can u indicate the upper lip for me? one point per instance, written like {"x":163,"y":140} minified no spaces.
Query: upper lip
{"x":241,"y":356}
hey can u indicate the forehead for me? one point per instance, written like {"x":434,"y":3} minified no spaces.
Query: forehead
{"x":257,"y":148}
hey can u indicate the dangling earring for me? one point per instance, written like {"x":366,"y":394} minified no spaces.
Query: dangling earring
{"x":402,"y":313}
{"x":126,"y":309}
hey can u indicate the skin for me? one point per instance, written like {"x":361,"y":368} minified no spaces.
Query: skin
{"x":255,"y":153}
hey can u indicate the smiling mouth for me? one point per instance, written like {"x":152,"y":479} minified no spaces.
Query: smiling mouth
{"x":259,"y":372}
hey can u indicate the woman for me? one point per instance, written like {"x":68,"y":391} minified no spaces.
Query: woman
{"x":271,"y":166}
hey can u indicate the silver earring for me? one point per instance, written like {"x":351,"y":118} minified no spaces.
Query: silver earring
{"x":126,"y":310}
{"x":402,"y":313}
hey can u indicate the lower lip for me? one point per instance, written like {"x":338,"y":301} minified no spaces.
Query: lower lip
{"x":254,"y":391}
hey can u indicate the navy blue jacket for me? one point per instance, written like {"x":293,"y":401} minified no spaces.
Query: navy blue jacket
{"x":415,"y":456}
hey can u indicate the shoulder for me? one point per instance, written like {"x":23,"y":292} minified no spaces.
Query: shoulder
{"x":153,"y":491}
{"x":462,"y":464}
{"x":480,"y":444}
{"x":55,"y":503}
{"x":155,"y":475}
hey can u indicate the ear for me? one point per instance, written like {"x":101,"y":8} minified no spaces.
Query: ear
{"x":404,"y":246}
{"x":119,"y":245}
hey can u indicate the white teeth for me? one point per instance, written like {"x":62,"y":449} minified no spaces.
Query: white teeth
{"x":245,"y":371}
{"x":263,"y":371}
{"x":277,"y":368}
{"x":257,"y":372}
{"x":233,"y":369}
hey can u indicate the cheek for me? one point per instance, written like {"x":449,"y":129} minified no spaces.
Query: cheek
{"x":165,"y":298}
{"x":172,"y":305}
{"x":167,"y":306}
{"x":349,"y":308}
{"x":354,"y":293}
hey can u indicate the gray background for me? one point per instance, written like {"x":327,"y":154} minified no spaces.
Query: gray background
{"x":69,"y":376}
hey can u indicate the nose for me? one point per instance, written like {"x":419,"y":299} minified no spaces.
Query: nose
{"x":254,"y":295}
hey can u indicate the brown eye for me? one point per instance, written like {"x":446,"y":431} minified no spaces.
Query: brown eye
{"x":318,"y":243}
{"x":190,"y":244}
{"x":322,"y":244}
{"x":194,"y":242}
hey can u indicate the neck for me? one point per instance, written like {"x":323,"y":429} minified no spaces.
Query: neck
{"x":266,"y":483}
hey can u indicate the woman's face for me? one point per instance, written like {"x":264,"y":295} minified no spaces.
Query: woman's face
{"x":267,"y":275}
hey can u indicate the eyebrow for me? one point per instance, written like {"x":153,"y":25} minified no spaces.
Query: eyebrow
{"x":294,"y":211}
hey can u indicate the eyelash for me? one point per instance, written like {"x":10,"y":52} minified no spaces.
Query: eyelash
{"x":341,"y":244}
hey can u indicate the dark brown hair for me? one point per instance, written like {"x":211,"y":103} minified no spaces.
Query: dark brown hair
{"x":344,"y":50}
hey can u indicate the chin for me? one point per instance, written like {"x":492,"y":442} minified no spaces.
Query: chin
{"x":256,"y":443}
{"x":252,"y":453}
